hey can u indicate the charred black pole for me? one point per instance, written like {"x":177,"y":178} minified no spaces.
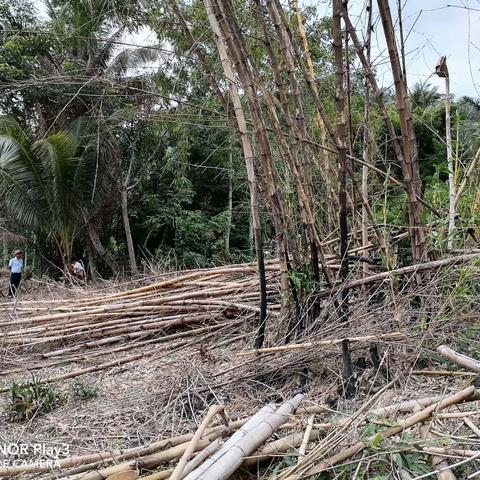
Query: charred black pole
{"x":342,"y":179}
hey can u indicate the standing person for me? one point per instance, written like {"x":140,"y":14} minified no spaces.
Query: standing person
{"x":15,"y":265}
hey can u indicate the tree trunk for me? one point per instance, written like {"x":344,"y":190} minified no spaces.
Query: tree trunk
{"x":99,"y":248}
{"x":91,"y":263}
{"x":128,"y":231}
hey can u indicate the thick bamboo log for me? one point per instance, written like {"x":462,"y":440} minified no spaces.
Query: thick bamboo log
{"x":459,"y":358}
{"x":231,"y":457}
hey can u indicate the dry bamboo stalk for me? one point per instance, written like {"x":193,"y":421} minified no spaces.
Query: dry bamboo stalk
{"x":272,"y":198}
{"x":411,"y":405}
{"x":100,"y":343}
{"x":282,"y":445}
{"x":121,"y":306}
{"x":173,"y":281}
{"x":423,"y":415}
{"x":115,"y":333}
{"x":437,"y":462}
{"x":409,"y":180}
{"x":459,"y":358}
{"x":306,"y":437}
{"x":138,"y":452}
{"x":472,"y":426}
{"x":191,"y":465}
{"x":178,"y":471}
{"x":230,"y":458}
{"x":103,"y":366}
{"x":149,"y":461}
{"x":443,"y":373}
{"x":411,"y":269}
{"x":297,"y":346}
{"x":450,"y":451}
{"x":125,"y":475}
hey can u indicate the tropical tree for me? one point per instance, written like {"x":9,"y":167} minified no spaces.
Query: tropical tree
{"x":50,"y":185}
{"x":423,"y":96}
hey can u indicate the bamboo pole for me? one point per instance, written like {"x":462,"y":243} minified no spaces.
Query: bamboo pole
{"x":322,"y":343}
{"x":179,"y":469}
{"x":280,"y":446}
{"x":416,"y":226}
{"x":231,"y":458}
{"x":459,"y":358}
{"x":409,"y":422}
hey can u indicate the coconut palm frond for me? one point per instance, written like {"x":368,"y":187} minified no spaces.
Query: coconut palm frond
{"x":133,"y":58}
{"x":424,"y":96}
{"x":46,"y":184}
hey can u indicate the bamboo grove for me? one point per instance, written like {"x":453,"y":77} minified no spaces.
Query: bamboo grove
{"x":301,"y":158}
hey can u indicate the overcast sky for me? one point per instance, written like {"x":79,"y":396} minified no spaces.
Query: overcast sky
{"x":432,"y":27}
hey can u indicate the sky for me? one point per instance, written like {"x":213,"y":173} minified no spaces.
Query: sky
{"x":432,"y":28}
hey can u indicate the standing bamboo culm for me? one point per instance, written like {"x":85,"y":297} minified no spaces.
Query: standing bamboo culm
{"x":410,"y":150}
{"x":442,"y":71}
{"x":342,"y":180}
{"x":250,"y":164}
{"x":366,"y":137}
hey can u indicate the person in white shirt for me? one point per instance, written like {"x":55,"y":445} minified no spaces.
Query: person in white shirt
{"x":78,"y":270}
{"x":15,"y":265}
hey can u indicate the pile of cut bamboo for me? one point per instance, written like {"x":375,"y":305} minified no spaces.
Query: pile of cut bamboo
{"x":214,"y":453}
{"x":176,"y":311}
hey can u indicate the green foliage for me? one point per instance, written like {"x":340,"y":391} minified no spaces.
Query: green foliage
{"x":82,"y":391}
{"x":30,"y":399}
{"x":48,"y":184}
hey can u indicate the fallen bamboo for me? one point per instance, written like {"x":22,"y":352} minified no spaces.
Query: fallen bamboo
{"x":306,"y":437}
{"x":191,"y":465}
{"x":459,"y":358}
{"x":411,"y":405}
{"x":438,"y":462}
{"x":421,"y":416}
{"x":230,"y":457}
{"x":420,"y":267}
{"x":323,"y":343}
{"x":280,"y":446}
{"x":107,"y":365}
{"x":178,"y":471}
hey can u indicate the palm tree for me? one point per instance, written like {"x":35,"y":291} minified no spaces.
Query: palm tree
{"x":424,"y":96}
{"x":49,"y":184}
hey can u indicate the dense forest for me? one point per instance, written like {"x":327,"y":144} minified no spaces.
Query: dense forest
{"x":259,"y":179}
